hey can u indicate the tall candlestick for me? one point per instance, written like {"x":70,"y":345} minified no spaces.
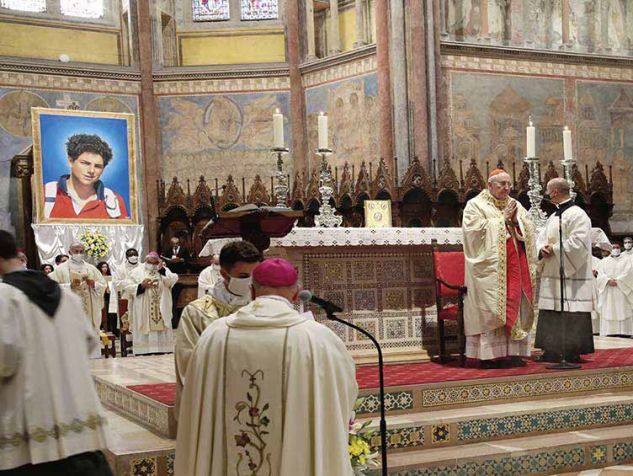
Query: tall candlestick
{"x":531,"y":140}
{"x":323,"y":131}
{"x":278,"y":130}
{"x":567,"y":143}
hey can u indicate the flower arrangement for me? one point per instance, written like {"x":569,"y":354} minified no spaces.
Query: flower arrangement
{"x":359,"y":447}
{"x":95,"y":243}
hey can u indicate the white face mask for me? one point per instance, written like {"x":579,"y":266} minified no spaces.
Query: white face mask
{"x":152,"y":268}
{"x":615,"y":253}
{"x":77,"y":257}
{"x":240,"y":286}
{"x":132,"y":259}
{"x":628,"y":246}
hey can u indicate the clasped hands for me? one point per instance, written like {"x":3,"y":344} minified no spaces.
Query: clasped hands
{"x":510,"y":213}
{"x":77,"y":282}
{"x":149,"y":283}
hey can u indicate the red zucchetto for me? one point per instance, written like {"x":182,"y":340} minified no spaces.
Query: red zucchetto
{"x":275,"y":273}
{"x":496,"y":172}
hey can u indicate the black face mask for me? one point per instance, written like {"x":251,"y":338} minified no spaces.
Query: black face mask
{"x":547,"y":197}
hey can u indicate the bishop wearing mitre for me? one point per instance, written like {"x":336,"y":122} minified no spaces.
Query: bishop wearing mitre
{"x":85,"y":281}
{"x":500,"y":256}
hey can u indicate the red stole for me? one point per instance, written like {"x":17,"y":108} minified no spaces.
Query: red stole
{"x":518,"y":280}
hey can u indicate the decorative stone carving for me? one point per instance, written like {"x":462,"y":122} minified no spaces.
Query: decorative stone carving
{"x":258,"y":193}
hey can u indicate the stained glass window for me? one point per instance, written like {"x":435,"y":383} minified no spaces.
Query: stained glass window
{"x":210,"y":10}
{"x":82,"y":8}
{"x":24,"y":5}
{"x":259,"y":9}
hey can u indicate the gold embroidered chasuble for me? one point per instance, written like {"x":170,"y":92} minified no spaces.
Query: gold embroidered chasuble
{"x":268,"y":393}
{"x":152,"y":310}
{"x":485,"y":241}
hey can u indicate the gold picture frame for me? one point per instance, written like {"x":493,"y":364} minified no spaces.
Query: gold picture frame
{"x":377,"y":213}
{"x":116,"y":187}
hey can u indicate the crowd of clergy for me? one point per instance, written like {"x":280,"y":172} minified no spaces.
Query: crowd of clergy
{"x":248,"y":363}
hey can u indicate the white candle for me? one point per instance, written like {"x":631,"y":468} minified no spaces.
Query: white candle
{"x":531,"y":140}
{"x":278,"y":130}
{"x":323,"y":132}
{"x":567,"y":143}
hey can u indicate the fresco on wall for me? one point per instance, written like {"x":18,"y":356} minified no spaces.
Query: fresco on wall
{"x":489,"y":114}
{"x":604,"y":124}
{"x":221,"y":134}
{"x":538,"y":24}
{"x":353,"y":119}
{"x":15,"y":129}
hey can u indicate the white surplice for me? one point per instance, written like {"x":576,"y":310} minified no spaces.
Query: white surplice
{"x":615,"y":303}
{"x":208,"y":279}
{"x":151,"y":311}
{"x":269,"y":388}
{"x":121,"y":275}
{"x":91,"y":298}
{"x":49,"y":408}
{"x":579,"y":280}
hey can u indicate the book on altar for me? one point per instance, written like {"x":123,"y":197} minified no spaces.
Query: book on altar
{"x":377,"y":213}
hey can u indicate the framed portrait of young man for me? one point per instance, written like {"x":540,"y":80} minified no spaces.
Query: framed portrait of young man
{"x":84,"y":167}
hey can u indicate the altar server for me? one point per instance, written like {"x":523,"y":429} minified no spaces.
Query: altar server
{"x":579,"y":280}
{"x":51,"y":421}
{"x":87,"y":282}
{"x":615,"y":294}
{"x":237,"y":261}
{"x":500,"y":269}
{"x":149,"y":287}
{"x":267,"y":388}
{"x":209,"y":276}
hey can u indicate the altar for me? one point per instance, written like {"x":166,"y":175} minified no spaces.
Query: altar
{"x":381,"y":277}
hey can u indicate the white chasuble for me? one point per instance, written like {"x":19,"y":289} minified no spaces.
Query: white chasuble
{"x":615,"y":302}
{"x":151,"y":311}
{"x":267,"y":393}
{"x":71,"y":275}
{"x":579,"y":280}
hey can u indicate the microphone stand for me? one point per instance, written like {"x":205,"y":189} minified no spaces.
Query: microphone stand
{"x":563,"y":364}
{"x":383,"y":422}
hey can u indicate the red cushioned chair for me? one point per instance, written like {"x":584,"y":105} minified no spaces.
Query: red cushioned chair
{"x":448,"y":270}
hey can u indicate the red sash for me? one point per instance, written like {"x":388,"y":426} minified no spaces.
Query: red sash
{"x":518,"y":280}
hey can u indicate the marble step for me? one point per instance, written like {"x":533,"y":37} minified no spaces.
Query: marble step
{"x":486,"y":423}
{"x":532,"y":455}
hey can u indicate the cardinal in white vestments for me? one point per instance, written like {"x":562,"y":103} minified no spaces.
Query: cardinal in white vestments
{"x":579,"y":280}
{"x":150,"y":285}
{"x":615,"y":294}
{"x":268,"y":390}
{"x":51,"y":421}
{"x":209,"y":276}
{"x":85,"y":281}
{"x":499,"y":275}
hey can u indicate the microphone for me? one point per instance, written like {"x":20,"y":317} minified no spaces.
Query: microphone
{"x":327,"y":306}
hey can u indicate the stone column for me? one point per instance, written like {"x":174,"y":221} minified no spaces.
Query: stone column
{"x":149,"y":148}
{"x":484,"y":33}
{"x":432,"y":63}
{"x":399,"y":89}
{"x":297,"y":100}
{"x":565,"y":24}
{"x":334,"y":40}
{"x":418,"y":85}
{"x":310,"y":40}
{"x":604,"y":25}
{"x":443,"y":17}
{"x":359,"y":13}
{"x":384,"y":81}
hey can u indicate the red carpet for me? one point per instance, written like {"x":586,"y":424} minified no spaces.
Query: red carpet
{"x":427,"y":372}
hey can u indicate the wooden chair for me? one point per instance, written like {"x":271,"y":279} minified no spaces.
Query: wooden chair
{"x":125,"y":334}
{"x":448,"y":271}
{"x":109,"y":349}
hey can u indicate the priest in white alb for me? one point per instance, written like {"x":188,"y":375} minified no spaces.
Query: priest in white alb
{"x":500,"y":255}
{"x":209,"y":276}
{"x":615,"y":294}
{"x":151,"y":303}
{"x":268,"y":390}
{"x":85,"y":281}
{"x":575,"y":337}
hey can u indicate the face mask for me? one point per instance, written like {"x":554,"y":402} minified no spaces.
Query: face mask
{"x":152,"y":268}
{"x":132,"y":259}
{"x":240,"y":286}
{"x":628,"y":246}
{"x":547,"y":197}
{"x":615,"y":253}
{"x":77,"y":257}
